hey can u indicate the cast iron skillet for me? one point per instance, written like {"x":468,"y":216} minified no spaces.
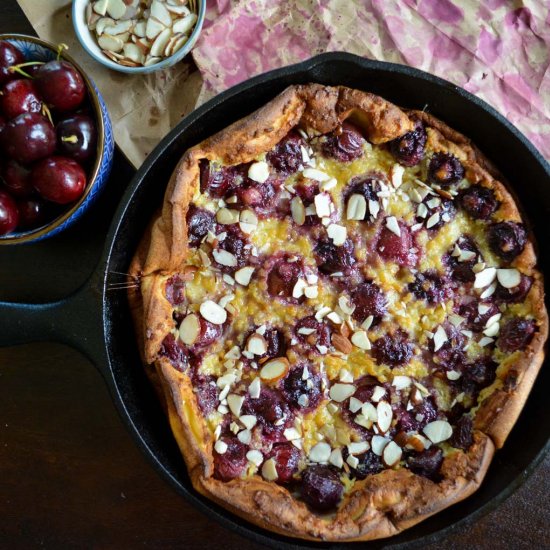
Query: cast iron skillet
{"x":97,"y":321}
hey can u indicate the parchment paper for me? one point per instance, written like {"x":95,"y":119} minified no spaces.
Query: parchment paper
{"x":143,"y":108}
{"x":496,"y":49}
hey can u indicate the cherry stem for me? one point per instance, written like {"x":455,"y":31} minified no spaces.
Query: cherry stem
{"x":70,"y":139}
{"x":47,"y":113}
{"x":60,"y":48}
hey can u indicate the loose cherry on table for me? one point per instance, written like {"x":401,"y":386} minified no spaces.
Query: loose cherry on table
{"x":59,"y":179}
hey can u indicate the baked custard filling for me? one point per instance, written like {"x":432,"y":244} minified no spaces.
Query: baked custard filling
{"x":344,"y":308}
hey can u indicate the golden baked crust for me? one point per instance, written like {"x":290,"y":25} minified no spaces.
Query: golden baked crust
{"x":382,"y":504}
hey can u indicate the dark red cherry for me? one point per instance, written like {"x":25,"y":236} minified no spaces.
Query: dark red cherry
{"x":507,"y":239}
{"x":32,"y":213}
{"x":231,"y":464}
{"x":287,"y":458}
{"x":77,"y":137}
{"x":333,"y":259}
{"x":462,"y":437}
{"x":321,"y":487}
{"x":368,"y":464}
{"x":9,"y":56}
{"x":344,"y":144}
{"x":175,"y":290}
{"x":479,"y":202}
{"x":272,"y":412}
{"x":427,"y":463}
{"x":300,"y":392}
{"x":283,"y":276}
{"x":394,"y":349}
{"x":516,"y":294}
{"x":18,"y":97}
{"x":174,"y":350}
{"x":199,"y":223}
{"x":430,"y":286}
{"x":471,"y":312}
{"x":218,"y":180}
{"x":9,"y":213}
{"x":209,"y":333}
{"x":320,"y":335}
{"x":516,"y":334}
{"x":17,"y":179}
{"x":396,"y":248}
{"x":409,"y":148}
{"x":445,"y":169}
{"x":28,"y":138}
{"x":368,"y":299}
{"x":235,"y":243}
{"x":286,"y":156}
{"x":60,"y":85}
{"x":59,"y":179}
{"x":206,"y":391}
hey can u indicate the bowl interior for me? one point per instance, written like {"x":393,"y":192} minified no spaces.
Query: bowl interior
{"x":36,"y":49}
{"x":527,"y":173}
{"x":89,"y":42}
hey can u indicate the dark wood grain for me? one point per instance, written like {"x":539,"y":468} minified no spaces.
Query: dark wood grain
{"x":70,"y":475}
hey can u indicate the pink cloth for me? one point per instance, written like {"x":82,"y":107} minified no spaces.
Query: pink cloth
{"x":492,"y":48}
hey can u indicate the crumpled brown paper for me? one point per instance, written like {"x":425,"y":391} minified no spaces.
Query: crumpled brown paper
{"x":143,"y":108}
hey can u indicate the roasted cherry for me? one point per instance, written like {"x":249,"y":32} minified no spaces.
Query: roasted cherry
{"x":32,"y":213}
{"x":18,"y":97}
{"x":9,"y":213}
{"x":9,"y":56}
{"x":394,"y":349}
{"x":175,"y":290}
{"x":321,"y":487}
{"x":431,"y":287}
{"x":219,"y":180}
{"x":396,"y":248}
{"x":334,"y":259}
{"x":461,"y":267}
{"x":344,"y":144}
{"x":77,"y":137}
{"x":516,"y":334}
{"x":59,"y":179}
{"x":174,"y":350}
{"x":515,"y":294}
{"x":445,"y":169}
{"x":235,"y":243}
{"x":409,"y":148}
{"x":286,"y":156}
{"x":318,"y":332}
{"x":507,"y":239}
{"x":231,"y":464}
{"x":199,"y":223}
{"x":272,"y":412}
{"x":206,"y":391}
{"x":368,"y":299}
{"x":300,"y":392}
{"x":287,"y":458}
{"x":462,"y":437}
{"x":283,"y":276}
{"x":368,"y":464}
{"x":479,"y":202}
{"x":28,"y":138}
{"x":61,"y":85}
{"x":427,"y":463}
{"x":17,"y":179}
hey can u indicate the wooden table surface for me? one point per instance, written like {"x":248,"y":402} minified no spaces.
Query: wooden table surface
{"x":71,"y":476}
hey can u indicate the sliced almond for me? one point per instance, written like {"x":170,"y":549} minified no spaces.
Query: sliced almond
{"x":337,"y":233}
{"x":116,"y":8}
{"x":212,"y":312}
{"x":385,"y":415}
{"x":357,"y":208}
{"x":153,"y":28}
{"x":235,"y":402}
{"x":392,"y":454}
{"x":133,"y":52}
{"x":178,"y":9}
{"x":322,"y":205}
{"x":259,"y":171}
{"x":255,"y":388}
{"x":341,"y":343}
{"x":396,"y":173}
{"x":269,"y":470}
{"x":336,"y":458}
{"x":110,"y":43}
{"x":378,"y":393}
{"x":354,"y":404}
{"x":393,"y":225}
{"x":244,"y":436}
{"x":438,"y":431}
{"x":340,"y":392}
{"x":244,"y":275}
{"x":314,"y":174}
{"x":440,"y":337}
{"x":223,"y":257}
{"x":185,"y":24}
{"x":220,"y":447}
{"x":320,"y":452}
{"x":275,"y":369}
{"x":401,"y":382}
{"x":360,"y":339}
{"x":485,"y":277}
{"x":509,"y":278}
{"x":256,"y":344}
{"x":157,"y":49}
{"x":102,"y":24}
{"x":119,"y":28}
{"x":358,"y":447}
{"x":160,"y":13}
{"x":378,"y":443}
{"x":140,"y":29}
{"x":190,"y":329}
{"x":368,"y":410}
{"x":298,"y":211}
{"x":100,"y":7}
{"x":226,"y":216}
{"x":179,"y":43}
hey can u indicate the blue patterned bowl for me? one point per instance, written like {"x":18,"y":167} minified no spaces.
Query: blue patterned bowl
{"x":39,"y":50}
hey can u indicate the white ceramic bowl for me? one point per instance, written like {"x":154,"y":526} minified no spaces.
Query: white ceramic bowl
{"x":89,"y":42}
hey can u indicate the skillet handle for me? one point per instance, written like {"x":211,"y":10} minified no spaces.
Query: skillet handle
{"x":75,"y":321}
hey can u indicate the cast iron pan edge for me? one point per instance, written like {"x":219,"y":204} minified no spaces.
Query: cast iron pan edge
{"x":77,"y":319}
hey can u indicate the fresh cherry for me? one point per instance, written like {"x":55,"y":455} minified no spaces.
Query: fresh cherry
{"x":77,"y":137}
{"x":61,"y":85}
{"x":59,"y":179}
{"x":32,"y":213}
{"x":17,"y":180}
{"x":18,"y":97}
{"x":9,"y":213}
{"x":28,"y":138}
{"x":9,"y":56}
